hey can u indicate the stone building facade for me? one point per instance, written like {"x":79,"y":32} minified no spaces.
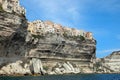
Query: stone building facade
{"x":44,"y":27}
{"x":89,"y":35}
{"x":12,"y":6}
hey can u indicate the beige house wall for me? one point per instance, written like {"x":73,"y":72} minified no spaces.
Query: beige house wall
{"x":12,"y":6}
{"x":89,"y":35}
{"x":0,"y":1}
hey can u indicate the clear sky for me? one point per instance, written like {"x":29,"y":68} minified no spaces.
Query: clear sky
{"x":101,"y":17}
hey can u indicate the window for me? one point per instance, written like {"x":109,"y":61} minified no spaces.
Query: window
{"x":9,"y":7}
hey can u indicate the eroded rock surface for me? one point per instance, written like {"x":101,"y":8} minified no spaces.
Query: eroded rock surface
{"x":109,"y":64}
{"x":43,"y":47}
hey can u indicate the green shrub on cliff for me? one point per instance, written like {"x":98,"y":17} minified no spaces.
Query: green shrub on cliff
{"x":82,"y":38}
{"x":45,"y":68}
{"x":79,"y":37}
{"x":37,"y":36}
{"x":1,"y":9}
{"x":65,"y":35}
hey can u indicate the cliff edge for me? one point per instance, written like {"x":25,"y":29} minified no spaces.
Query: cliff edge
{"x":41,"y":47}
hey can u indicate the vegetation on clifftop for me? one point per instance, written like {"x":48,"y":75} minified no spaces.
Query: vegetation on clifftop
{"x":78,"y":37}
{"x":37,"y":36}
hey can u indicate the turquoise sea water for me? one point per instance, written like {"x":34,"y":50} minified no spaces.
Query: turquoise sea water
{"x":67,"y":77}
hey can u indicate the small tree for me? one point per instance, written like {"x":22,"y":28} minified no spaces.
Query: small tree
{"x":1,"y":9}
{"x":82,"y":38}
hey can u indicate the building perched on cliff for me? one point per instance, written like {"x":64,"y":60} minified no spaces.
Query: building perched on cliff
{"x":89,"y":35}
{"x":44,"y":27}
{"x":12,"y":6}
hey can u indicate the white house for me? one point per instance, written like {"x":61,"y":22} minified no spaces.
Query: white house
{"x":12,"y":6}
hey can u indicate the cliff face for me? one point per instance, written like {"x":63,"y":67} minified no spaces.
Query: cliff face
{"x":109,"y":64}
{"x":43,"y":47}
{"x":58,"y":46}
{"x":12,"y":30}
{"x":113,"y":61}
